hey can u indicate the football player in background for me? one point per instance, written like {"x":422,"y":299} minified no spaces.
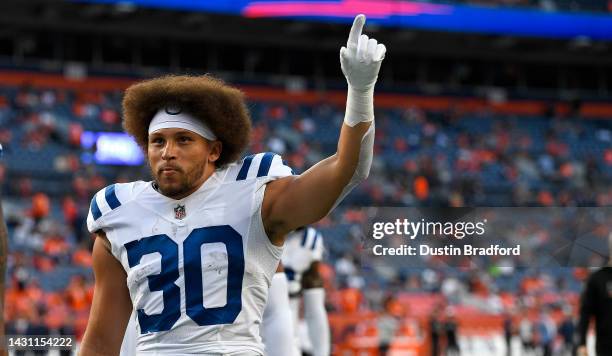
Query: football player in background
{"x":277,"y":329}
{"x":194,"y":251}
{"x":298,"y":276}
{"x":301,"y":258}
{"x":596,"y":302}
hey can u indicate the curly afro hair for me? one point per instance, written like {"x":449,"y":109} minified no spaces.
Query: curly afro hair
{"x":209,"y":99}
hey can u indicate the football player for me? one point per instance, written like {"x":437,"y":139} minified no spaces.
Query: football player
{"x":301,"y":258}
{"x":193,"y":252}
{"x":596,"y":305}
{"x":298,"y":276}
{"x":277,"y":326}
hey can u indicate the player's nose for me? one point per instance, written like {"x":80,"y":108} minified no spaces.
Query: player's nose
{"x":169,"y":150}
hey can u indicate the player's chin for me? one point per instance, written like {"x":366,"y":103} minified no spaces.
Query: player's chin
{"x":171,"y":189}
{"x":169,"y":183}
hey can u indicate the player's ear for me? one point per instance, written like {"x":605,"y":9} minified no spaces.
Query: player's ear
{"x":215,"y":150}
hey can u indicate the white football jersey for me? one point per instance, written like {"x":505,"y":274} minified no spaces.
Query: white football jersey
{"x":199,"y":268}
{"x":302,"y":248}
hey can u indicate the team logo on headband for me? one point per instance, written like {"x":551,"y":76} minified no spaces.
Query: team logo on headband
{"x":173,"y":110}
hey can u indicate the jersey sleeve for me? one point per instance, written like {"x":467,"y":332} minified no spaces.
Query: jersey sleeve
{"x":104,"y":203}
{"x":263,"y":167}
{"x":312,"y":243}
{"x":319,"y":248}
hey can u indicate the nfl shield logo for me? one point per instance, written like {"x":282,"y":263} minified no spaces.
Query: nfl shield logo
{"x":179,"y":212}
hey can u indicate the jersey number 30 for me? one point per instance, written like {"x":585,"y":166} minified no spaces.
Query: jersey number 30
{"x":192,"y":253}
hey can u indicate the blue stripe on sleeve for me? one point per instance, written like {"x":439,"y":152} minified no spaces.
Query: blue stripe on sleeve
{"x":244,"y":170}
{"x":304,"y":236}
{"x":266,"y":162}
{"x":314,"y":242}
{"x":111,"y":197}
{"x":95,"y":210}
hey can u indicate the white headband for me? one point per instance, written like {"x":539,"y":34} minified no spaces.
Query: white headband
{"x":172,"y":117}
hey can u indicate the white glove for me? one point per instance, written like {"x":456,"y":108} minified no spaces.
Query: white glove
{"x":360,"y":61}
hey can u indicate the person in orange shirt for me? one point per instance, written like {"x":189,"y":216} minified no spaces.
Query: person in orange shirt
{"x":76,"y":294}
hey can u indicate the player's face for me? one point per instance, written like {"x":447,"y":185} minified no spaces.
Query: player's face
{"x":181,"y":160}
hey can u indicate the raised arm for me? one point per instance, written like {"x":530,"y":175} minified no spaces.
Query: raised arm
{"x":111,"y":306}
{"x":301,"y":200}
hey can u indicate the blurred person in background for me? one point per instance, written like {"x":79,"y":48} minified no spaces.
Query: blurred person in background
{"x":302,"y":255}
{"x":547,"y":331}
{"x":3,"y":262}
{"x":596,"y":302}
{"x":526,"y":333}
{"x":387,"y":324}
{"x":277,"y":323}
{"x":29,"y":322}
{"x":508,"y":331}
{"x":567,"y":330}
{"x":450,"y":329}
{"x":436,"y":328}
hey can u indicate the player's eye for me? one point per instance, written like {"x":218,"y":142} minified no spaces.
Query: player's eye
{"x":184,"y":139}
{"x":157,"y":141}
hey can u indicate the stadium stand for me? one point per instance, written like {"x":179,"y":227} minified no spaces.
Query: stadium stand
{"x":491,"y":119}
{"x":430,"y":151}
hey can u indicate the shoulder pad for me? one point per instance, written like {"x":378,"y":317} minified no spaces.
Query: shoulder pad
{"x":260,"y":165}
{"x":105,"y":201}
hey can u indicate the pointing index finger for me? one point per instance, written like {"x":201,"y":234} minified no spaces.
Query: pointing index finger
{"x":356,"y":31}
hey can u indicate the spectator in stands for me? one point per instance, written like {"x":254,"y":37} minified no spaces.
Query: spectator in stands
{"x":435,"y":159}
{"x":526,"y":333}
{"x":567,"y":331}
{"x":387,"y":326}
{"x":28,"y":323}
{"x":547,"y":331}
{"x":508,"y":331}
{"x":450,"y":328}
{"x":436,"y":329}
{"x":77,"y":294}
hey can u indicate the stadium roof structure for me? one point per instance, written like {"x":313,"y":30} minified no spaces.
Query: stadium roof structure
{"x":123,"y":37}
{"x":465,"y":18}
